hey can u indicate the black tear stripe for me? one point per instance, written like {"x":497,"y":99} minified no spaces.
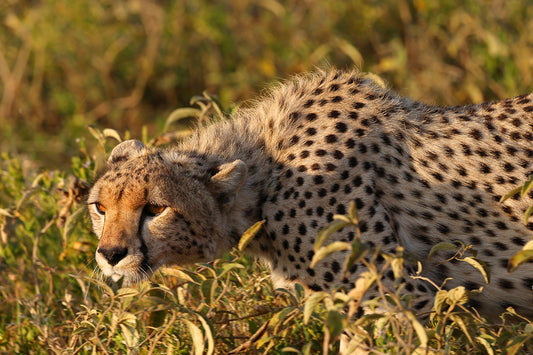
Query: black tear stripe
{"x":145,"y":267}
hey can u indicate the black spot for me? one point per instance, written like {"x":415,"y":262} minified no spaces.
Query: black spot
{"x":504,"y":283}
{"x":335,"y":267}
{"x":350,"y":143}
{"x":331,"y":138}
{"x":484,"y":168}
{"x":315,"y":287}
{"x":341,"y":127}
{"x":444,"y":229}
{"x":501,"y":225}
{"x":337,"y":154}
{"x":518,"y":241}
{"x":353,"y":115}
{"x":341,"y":209}
{"x":352,"y":162}
{"x":476,"y":134}
{"x":334,"y":114}
{"x":421,"y":304}
{"x":311,"y":116}
{"x":318,"y":179}
{"x":528,"y":283}
{"x":508,"y":167}
{"x":330,"y":167}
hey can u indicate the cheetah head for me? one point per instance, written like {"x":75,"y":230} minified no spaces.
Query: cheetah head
{"x":153,"y":208}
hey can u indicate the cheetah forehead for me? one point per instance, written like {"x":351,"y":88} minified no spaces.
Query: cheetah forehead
{"x":156,"y":176}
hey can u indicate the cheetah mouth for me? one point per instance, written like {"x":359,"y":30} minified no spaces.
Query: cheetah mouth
{"x":129,"y":278}
{"x":129,"y":271}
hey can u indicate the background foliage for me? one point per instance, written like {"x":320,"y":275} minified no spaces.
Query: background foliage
{"x":127,"y":64}
{"x":124,"y":63}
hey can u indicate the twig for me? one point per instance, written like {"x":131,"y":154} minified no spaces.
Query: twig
{"x":252,"y":339}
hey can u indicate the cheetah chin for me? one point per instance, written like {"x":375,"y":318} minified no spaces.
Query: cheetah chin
{"x":418,"y":175}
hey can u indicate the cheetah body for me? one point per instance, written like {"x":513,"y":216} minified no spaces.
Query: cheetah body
{"x":418,"y":174}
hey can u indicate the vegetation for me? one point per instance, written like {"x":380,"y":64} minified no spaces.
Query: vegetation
{"x":69,"y":69}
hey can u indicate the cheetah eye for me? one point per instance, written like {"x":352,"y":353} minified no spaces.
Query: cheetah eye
{"x":153,"y":210}
{"x":100,"y":208}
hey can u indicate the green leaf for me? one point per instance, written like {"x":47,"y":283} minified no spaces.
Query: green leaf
{"x":527,"y":186}
{"x":442,"y":246}
{"x":249,"y":235}
{"x":280,"y":316}
{"x":127,"y":292}
{"x":327,"y":250}
{"x":440,"y":299}
{"x":325,"y":233}
{"x":311,"y":304}
{"x":96,"y":133}
{"x":111,"y":133}
{"x":208,"y":334}
{"x":457,"y":295}
{"x":480,"y":266}
{"x":208,"y":288}
{"x":519,"y":258}
{"x":458,"y":319}
{"x":419,"y":329}
{"x":397,"y":267}
{"x":197,"y":337}
{"x":180,"y":114}
{"x":70,"y":223}
{"x":6,"y":213}
{"x":37,"y":180}
{"x":226,"y":267}
{"x":486,"y":345}
{"x":179,"y":273}
{"x":511,"y":193}
{"x":130,"y":335}
{"x":358,"y":251}
{"x":528,"y":213}
{"x":515,"y":345}
{"x":352,"y":212}
{"x":335,"y":322}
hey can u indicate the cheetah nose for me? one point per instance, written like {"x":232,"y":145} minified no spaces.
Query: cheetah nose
{"x":113,"y":255}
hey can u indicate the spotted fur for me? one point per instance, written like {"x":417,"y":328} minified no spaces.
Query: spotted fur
{"x":418,"y":174}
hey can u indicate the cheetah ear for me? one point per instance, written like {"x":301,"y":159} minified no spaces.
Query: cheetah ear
{"x":124,"y":151}
{"x":226,"y":181}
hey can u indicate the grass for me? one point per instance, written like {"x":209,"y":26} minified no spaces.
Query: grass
{"x":68,"y":69}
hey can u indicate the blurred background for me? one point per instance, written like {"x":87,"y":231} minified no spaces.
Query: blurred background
{"x":125,"y":64}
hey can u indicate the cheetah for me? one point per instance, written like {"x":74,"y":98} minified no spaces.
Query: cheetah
{"x":418,"y":175}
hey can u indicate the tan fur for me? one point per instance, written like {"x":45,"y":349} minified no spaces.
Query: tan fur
{"x":419,"y":175}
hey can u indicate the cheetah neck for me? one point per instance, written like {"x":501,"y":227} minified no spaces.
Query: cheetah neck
{"x":226,"y":142}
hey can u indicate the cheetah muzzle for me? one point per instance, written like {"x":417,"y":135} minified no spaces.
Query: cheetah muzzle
{"x":418,"y":174}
